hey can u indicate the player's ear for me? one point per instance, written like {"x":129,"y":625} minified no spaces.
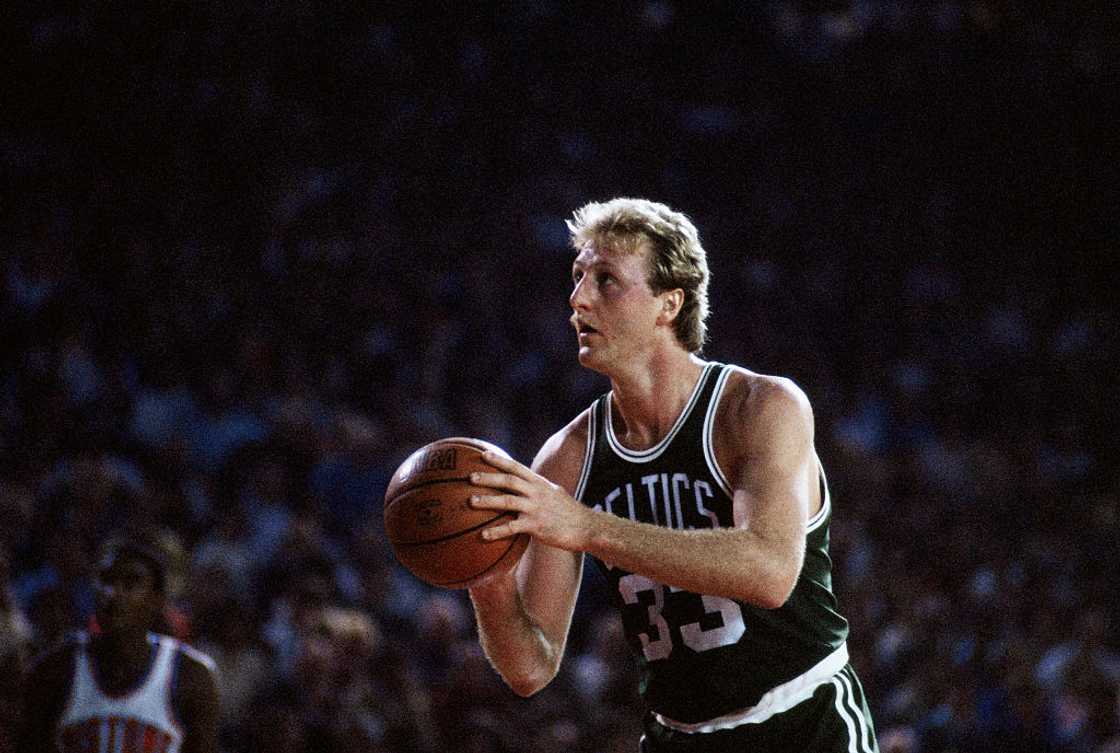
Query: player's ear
{"x":671,"y":303}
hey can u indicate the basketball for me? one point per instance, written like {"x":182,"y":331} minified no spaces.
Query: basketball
{"x":434,"y":531}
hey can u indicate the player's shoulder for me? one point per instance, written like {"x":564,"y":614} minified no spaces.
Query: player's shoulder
{"x":194,"y":694}
{"x":45,"y":690}
{"x":562,"y":456}
{"x":53,"y":665}
{"x":750,"y":398}
{"x":191,"y":659}
{"x":61,"y":652}
{"x":195,"y":671}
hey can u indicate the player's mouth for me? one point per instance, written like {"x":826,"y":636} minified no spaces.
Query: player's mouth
{"x":585,"y":330}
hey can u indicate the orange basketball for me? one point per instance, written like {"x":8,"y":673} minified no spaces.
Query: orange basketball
{"x":434,"y":531}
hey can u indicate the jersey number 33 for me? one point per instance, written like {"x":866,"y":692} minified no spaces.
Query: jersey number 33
{"x":657,"y":639}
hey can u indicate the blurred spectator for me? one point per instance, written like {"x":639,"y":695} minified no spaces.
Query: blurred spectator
{"x":15,"y":639}
{"x":227,"y":635}
{"x":253,"y":257}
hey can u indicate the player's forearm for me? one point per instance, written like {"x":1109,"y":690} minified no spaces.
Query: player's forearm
{"x":516,"y":646}
{"x":730,"y":562}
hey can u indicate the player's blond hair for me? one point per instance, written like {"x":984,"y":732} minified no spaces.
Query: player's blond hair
{"x":677,"y":260}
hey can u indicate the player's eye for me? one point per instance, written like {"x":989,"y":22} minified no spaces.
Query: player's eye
{"x":605,"y":279}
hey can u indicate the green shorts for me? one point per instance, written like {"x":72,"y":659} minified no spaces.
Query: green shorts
{"x":835,"y":719}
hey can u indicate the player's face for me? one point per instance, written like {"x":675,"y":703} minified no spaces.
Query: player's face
{"x":127,"y":596}
{"x":614,"y":310}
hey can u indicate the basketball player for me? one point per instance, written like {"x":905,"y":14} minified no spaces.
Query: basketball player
{"x":696,"y":488}
{"x":125,"y":690}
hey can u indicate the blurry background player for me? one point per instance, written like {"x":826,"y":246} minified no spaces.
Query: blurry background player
{"x":703,"y":501}
{"x":124,"y":688}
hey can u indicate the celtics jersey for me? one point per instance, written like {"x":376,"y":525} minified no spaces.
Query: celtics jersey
{"x":702,"y":657}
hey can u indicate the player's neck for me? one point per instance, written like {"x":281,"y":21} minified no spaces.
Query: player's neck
{"x":120,"y":659}
{"x":128,"y":647}
{"x":649,"y":396}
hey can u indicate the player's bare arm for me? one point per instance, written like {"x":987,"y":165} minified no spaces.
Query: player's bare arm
{"x":764,"y":443}
{"x":524,"y":616}
{"x":44,"y":694}
{"x":196,"y":698}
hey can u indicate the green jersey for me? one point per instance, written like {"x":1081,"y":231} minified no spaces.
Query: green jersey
{"x":704,"y":657}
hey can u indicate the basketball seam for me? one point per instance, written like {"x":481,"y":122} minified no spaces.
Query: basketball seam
{"x":491,"y":566}
{"x":450,"y":535}
{"x":425,"y":484}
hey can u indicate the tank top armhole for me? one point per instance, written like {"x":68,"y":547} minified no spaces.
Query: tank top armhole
{"x":826,"y":502}
{"x":81,"y":675}
{"x":588,"y":451}
{"x":175,"y":659}
{"x":709,"y":433}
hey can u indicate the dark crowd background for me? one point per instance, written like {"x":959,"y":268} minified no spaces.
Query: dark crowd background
{"x":256,"y":253}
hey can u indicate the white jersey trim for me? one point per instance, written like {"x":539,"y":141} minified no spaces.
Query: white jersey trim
{"x":588,"y":453}
{"x":826,"y":503}
{"x":198,"y":656}
{"x":779,"y":699}
{"x":709,"y":431}
{"x":652,"y":453}
{"x":721,"y":477}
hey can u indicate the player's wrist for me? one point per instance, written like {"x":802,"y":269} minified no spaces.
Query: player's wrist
{"x":494,"y":590}
{"x":597,"y":532}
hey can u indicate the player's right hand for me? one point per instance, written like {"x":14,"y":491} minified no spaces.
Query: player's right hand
{"x":544,"y":510}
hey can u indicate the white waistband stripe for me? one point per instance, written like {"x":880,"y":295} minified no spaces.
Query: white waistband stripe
{"x":779,"y":699}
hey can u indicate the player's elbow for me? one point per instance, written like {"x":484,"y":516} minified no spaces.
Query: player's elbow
{"x":775,"y":595}
{"x":763,"y":592}
{"x":526,"y":689}
{"x":777,"y":586}
{"x":780,"y":575}
{"x":530,"y":683}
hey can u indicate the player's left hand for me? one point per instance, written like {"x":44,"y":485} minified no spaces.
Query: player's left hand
{"x":544,"y":510}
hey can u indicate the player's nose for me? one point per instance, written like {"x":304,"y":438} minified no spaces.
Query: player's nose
{"x":578,"y":298}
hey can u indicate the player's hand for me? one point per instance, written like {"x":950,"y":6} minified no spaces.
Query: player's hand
{"x":544,"y":510}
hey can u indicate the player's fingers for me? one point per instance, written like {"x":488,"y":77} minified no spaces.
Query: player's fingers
{"x":496,"y":502}
{"x":502,"y":531}
{"x":507,"y":464}
{"x":506,"y":481}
